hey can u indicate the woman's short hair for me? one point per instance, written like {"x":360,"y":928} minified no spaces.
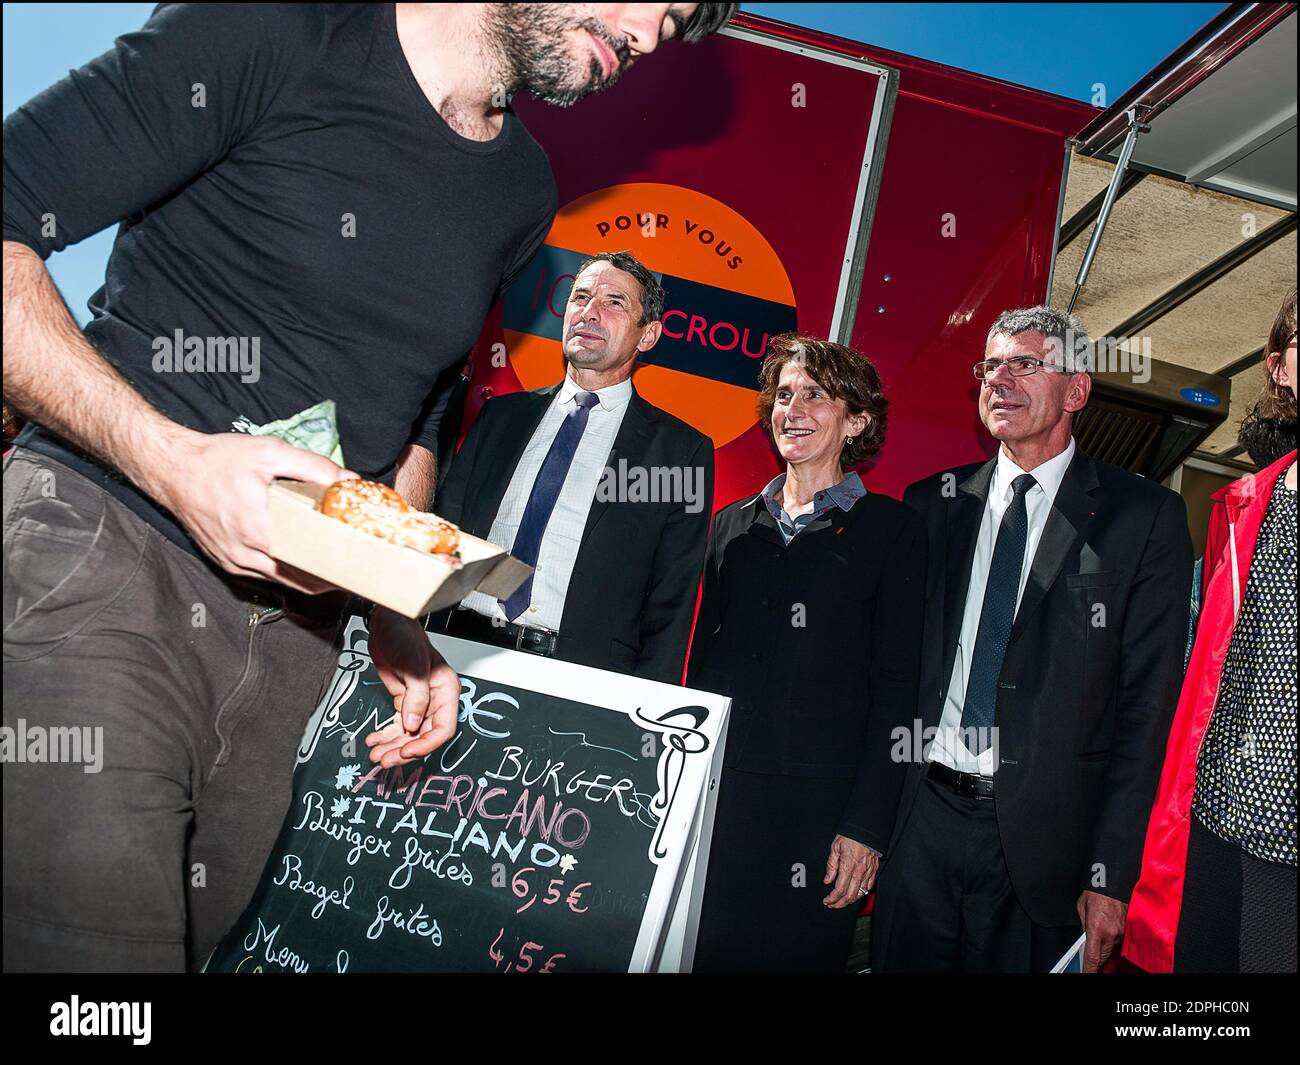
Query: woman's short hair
{"x":844,"y":374}
{"x":1279,"y":402}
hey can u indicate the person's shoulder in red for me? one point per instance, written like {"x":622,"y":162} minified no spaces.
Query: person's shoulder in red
{"x":1244,"y":499}
{"x":1156,"y":903}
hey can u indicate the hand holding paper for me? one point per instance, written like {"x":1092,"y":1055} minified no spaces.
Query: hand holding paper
{"x":215,"y":484}
{"x":1103,"y":923}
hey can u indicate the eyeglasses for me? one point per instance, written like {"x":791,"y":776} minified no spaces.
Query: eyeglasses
{"x":1020,"y":366}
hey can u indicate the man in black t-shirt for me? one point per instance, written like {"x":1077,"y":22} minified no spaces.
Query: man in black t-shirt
{"x":331,"y":195}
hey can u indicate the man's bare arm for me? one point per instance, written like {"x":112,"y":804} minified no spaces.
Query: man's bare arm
{"x":417,"y":475}
{"x":55,"y":377}
{"x":215,"y":484}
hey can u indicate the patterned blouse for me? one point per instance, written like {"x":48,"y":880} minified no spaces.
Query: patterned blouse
{"x":1246,"y":770}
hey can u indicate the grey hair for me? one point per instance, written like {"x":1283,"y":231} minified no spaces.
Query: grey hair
{"x":1061,"y":328}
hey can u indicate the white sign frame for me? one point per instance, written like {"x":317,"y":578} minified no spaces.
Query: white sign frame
{"x":688,"y":775}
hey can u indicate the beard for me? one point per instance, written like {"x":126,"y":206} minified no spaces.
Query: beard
{"x":531,"y":40}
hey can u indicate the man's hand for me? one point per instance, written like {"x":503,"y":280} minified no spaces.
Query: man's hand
{"x":425,"y":690}
{"x":216,"y":484}
{"x":852,"y":866}
{"x":1102,"y":919}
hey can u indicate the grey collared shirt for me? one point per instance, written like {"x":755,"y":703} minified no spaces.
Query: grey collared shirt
{"x":842,"y":495}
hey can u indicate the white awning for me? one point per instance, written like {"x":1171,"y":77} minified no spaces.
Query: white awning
{"x":1200,"y":248}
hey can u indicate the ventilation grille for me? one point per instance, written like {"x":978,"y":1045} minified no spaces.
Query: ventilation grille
{"x":1118,"y":434}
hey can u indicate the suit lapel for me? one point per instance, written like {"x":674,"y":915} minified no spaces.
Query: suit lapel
{"x":1072,"y":515}
{"x":964,"y":515}
{"x":629,"y":445}
{"x":496,"y":479}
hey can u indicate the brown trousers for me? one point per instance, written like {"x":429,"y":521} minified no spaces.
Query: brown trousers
{"x":156,"y":707}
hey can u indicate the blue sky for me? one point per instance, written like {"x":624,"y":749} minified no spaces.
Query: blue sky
{"x":1062,"y":48}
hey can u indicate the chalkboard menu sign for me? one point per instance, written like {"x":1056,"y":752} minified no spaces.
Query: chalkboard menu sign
{"x":552,"y":834}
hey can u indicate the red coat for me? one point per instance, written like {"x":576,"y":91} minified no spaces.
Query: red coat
{"x":1158,"y":897}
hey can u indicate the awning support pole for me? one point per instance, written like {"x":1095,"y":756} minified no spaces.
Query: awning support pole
{"x":1135,"y":126}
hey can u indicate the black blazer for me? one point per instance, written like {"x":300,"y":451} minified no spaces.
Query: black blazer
{"x":818,"y":644}
{"x":630,"y":600}
{"x":1090,"y":678}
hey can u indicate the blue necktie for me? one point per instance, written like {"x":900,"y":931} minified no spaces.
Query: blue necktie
{"x":996,"y":617}
{"x":542,"y":499}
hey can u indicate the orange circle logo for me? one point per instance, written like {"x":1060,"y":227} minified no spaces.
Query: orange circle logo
{"x":726,"y":294}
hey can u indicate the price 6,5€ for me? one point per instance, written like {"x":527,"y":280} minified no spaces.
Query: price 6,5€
{"x":554,"y":891}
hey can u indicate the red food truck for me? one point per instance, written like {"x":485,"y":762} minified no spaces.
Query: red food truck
{"x":778,"y":178}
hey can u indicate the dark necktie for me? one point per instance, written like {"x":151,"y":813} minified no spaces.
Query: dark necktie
{"x":999,"y":611}
{"x":541,"y":500}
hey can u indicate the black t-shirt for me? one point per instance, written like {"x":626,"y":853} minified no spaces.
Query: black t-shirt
{"x":284,"y":188}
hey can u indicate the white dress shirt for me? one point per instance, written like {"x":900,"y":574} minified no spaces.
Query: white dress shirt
{"x":563,"y":536}
{"x":948,"y":747}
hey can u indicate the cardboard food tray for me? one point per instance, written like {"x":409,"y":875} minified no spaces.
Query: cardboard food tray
{"x":400,"y":578}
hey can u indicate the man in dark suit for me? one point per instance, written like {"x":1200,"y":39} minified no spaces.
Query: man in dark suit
{"x":606,"y":495}
{"x":1056,"y":610}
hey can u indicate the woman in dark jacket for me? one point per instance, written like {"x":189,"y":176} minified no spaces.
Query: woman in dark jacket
{"x":811,"y":622}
